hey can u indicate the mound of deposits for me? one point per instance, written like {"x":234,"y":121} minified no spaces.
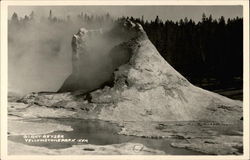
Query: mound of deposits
{"x":142,"y":93}
{"x":145,"y":88}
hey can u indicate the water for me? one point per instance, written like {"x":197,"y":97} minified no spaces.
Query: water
{"x":102,"y":133}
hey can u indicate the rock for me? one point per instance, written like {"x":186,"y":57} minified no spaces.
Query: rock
{"x":88,"y":149}
{"x":148,"y":82}
{"x":86,"y":43}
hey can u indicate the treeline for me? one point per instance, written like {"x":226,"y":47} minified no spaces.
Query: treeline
{"x":208,"y":51}
{"x":81,"y":20}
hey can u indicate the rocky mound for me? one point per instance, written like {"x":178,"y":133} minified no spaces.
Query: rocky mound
{"x":144,"y":87}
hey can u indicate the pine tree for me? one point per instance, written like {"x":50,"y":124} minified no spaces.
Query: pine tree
{"x":14,"y":18}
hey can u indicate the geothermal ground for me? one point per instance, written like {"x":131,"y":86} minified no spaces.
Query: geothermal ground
{"x":143,"y":96}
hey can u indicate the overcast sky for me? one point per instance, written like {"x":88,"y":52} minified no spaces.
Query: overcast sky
{"x":174,"y":13}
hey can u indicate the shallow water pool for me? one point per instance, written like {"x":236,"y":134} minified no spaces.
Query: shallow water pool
{"x":100,"y":133}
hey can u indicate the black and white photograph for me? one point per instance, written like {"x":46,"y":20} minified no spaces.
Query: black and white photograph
{"x":125,"y":80}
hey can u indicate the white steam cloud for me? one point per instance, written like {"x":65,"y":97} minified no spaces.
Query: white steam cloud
{"x":39,"y":56}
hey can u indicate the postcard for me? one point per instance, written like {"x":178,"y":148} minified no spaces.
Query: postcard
{"x":125,"y":80}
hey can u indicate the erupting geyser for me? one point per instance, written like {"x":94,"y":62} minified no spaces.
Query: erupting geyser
{"x":95,"y":56}
{"x":80,"y":53}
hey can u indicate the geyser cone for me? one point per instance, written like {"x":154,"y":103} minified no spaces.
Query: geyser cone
{"x":147,"y":88}
{"x":95,"y":56}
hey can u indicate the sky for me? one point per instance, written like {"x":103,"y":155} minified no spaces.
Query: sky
{"x":174,"y":13}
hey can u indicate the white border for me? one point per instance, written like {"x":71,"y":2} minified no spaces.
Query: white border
{"x":4,"y":80}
